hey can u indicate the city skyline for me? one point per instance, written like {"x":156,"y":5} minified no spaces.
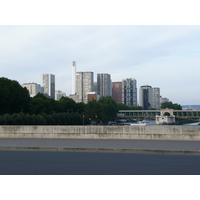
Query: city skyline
{"x":167,"y":57}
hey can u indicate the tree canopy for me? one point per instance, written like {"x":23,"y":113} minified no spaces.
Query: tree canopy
{"x":104,"y":109}
{"x":171,"y":105}
{"x":13,"y":97}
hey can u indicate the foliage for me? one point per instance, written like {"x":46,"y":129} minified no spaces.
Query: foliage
{"x":93,"y":109}
{"x":170,"y":105}
{"x":44,"y":119}
{"x":103,"y":110}
{"x":108,"y":108}
{"x":67,"y":105}
{"x":177,"y":106}
{"x":17,"y":108}
{"x":41,"y":104}
{"x":13,"y":97}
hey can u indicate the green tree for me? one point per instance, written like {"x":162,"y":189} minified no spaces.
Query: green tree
{"x":108,"y":108}
{"x":170,"y":105}
{"x":80,"y":107}
{"x":93,"y":109}
{"x":77,"y":119}
{"x":1,"y":120}
{"x":177,"y":106}
{"x":13,"y":97}
{"x":121,"y":106}
{"x":41,"y":120}
{"x":40,"y":104}
{"x":49,"y":119}
{"x":67,"y":104}
{"x":104,"y":109}
{"x":165,"y":105}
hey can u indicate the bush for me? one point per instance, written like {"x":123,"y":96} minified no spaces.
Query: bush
{"x":44,"y":119}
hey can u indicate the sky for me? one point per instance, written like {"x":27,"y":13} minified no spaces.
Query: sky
{"x":164,"y":56}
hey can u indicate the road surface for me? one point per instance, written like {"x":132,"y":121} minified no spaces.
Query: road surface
{"x":103,"y":145}
{"x":92,"y":163}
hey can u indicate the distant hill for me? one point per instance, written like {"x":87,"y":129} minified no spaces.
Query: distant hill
{"x":190,"y":107}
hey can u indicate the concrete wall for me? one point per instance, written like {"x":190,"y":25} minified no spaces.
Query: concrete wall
{"x":103,"y":132}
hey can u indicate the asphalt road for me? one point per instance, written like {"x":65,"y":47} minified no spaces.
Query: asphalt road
{"x":99,"y":144}
{"x":87,"y":163}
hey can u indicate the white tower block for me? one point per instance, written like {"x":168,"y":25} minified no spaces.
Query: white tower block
{"x":74,"y":77}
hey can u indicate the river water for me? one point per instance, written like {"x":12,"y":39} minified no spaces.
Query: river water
{"x":153,"y":123}
{"x":191,"y":124}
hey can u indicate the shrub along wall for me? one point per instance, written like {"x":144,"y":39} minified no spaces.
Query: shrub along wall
{"x":43,"y":119}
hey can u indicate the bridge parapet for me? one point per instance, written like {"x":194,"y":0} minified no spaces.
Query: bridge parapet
{"x":189,"y":114}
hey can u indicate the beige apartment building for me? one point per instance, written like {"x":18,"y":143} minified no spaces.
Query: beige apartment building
{"x":33,"y":88}
{"x":84,"y":85}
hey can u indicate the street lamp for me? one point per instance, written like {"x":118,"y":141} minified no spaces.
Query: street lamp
{"x":96,"y":118}
{"x":83,"y":120}
{"x":90,"y":120}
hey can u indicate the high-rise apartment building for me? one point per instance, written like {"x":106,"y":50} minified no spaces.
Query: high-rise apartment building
{"x":84,"y":85}
{"x":163,"y":100}
{"x":73,"y":77}
{"x":33,"y":88}
{"x":104,"y":85}
{"x":48,"y":82}
{"x":117,"y":91}
{"x":129,"y":92}
{"x":59,"y":94}
{"x":156,"y":98}
{"x":146,"y":97}
{"x":95,"y":87}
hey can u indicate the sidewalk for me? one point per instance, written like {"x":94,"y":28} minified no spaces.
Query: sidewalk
{"x":103,"y":145}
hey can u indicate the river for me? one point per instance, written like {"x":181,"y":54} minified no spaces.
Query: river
{"x":153,"y":123}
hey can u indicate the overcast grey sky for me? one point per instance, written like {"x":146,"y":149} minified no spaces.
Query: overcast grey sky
{"x":161,"y":56}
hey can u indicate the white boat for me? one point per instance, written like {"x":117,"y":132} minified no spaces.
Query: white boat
{"x":138,"y":124}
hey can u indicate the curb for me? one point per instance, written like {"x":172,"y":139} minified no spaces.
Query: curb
{"x":103,"y":150}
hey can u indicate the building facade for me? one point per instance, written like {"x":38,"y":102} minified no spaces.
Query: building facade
{"x":84,"y":84}
{"x":163,"y":100}
{"x":48,"y":83}
{"x":156,"y":98}
{"x":33,"y":88}
{"x":129,"y":92}
{"x":104,"y":85}
{"x":73,"y":77}
{"x":95,"y":87}
{"x":59,"y":94}
{"x":93,"y":96}
{"x":117,"y":91}
{"x":146,"y":97}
